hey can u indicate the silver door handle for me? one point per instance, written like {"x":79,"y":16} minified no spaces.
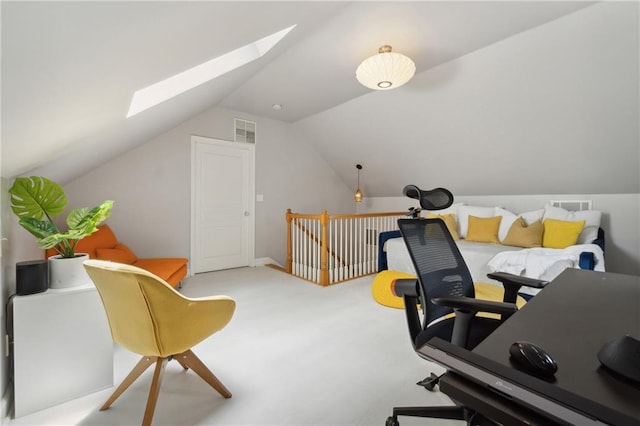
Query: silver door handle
{"x":246,"y":213}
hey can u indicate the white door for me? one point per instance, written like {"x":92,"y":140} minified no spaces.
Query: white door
{"x":222,"y":222}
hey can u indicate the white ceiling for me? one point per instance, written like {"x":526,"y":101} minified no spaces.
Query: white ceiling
{"x":69,"y":69}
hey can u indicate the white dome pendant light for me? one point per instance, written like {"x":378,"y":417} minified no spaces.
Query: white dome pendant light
{"x":386,"y":70}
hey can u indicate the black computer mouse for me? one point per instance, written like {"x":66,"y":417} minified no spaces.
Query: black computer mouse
{"x":533,"y":359}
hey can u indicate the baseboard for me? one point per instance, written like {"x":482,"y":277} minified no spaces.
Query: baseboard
{"x":263,"y":261}
{"x":6,"y":406}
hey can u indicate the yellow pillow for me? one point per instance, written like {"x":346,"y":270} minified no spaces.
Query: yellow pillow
{"x":560,"y":233}
{"x":483,"y":229}
{"x":450,"y":221}
{"x":521,"y":235}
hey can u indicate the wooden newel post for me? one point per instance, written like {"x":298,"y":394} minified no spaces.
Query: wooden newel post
{"x":324,"y":250}
{"x":289,"y":217}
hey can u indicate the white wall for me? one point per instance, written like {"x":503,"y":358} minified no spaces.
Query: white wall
{"x":7,"y":284}
{"x":151,"y":186}
{"x":550,"y":110}
{"x":620,"y":213}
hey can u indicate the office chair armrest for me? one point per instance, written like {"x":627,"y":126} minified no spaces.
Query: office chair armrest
{"x":466,"y":308}
{"x":471,"y":304}
{"x":517,"y":279}
{"x":405,"y":287}
{"x":512,"y":284}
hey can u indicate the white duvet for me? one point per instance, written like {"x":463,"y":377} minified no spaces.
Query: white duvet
{"x":544,"y":263}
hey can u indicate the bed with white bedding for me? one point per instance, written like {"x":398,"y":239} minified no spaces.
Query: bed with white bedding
{"x":483,"y":258}
{"x":535,"y":262}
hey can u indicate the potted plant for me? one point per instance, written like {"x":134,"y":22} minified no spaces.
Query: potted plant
{"x":36,"y":200}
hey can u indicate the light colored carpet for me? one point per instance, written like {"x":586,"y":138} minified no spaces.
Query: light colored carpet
{"x":295,"y":353}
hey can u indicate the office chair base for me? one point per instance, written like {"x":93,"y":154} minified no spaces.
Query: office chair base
{"x":430,"y":382}
{"x":451,"y":412}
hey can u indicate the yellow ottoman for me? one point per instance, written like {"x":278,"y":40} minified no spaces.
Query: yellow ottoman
{"x":383,"y":293}
{"x":381,"y":288}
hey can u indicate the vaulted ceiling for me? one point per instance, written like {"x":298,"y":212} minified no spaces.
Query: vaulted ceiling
{"x":69,"y":69}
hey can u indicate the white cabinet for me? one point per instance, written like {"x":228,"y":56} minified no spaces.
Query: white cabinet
{"x":62,"y":347}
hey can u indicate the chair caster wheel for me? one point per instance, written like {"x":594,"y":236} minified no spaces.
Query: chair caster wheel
{"x":392,"y":421}
{"x":430,"y":382}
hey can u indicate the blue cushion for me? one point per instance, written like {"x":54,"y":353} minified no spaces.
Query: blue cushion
{"x":382,"y":255}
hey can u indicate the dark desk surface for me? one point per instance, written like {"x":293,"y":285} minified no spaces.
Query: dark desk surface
{"x":571,"y":319}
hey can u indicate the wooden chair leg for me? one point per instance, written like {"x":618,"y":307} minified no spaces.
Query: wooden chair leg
{"x":161,"y":363}
{"x":185,"y":366}
{"x":190,"y":359}
{"x":140,"y":367}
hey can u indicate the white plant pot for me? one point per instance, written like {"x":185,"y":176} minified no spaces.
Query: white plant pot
{"x":68,"y":272}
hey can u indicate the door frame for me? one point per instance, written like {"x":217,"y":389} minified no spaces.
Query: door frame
{"x":251,"y":202}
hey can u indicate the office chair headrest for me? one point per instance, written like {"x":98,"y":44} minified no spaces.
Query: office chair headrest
{"x":435,"y":199}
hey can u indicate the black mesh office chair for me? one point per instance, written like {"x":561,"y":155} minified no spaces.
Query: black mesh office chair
{"x":444,"y":291}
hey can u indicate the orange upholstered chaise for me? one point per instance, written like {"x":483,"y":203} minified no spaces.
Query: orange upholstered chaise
{"x":104,"y":245}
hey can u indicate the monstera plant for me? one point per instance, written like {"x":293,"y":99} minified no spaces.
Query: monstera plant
{"x":37,"y":200}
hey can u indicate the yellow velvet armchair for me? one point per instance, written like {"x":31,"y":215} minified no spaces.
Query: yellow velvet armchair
{"x":149,"y":317}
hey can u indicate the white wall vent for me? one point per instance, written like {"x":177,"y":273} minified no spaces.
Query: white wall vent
{"x":245,"y":131}
{"x":573,"y":205}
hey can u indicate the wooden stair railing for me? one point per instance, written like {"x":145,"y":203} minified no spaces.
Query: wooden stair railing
{"x":328,"y":249}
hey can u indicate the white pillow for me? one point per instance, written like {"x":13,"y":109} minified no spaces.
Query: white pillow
{"x":591,"y":218}
{"x":463,"y":216}
{"x":532,"y":216}
{"x":508,"y":218}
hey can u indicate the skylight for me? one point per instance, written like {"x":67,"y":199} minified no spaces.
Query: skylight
{"x":173,"y":86}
